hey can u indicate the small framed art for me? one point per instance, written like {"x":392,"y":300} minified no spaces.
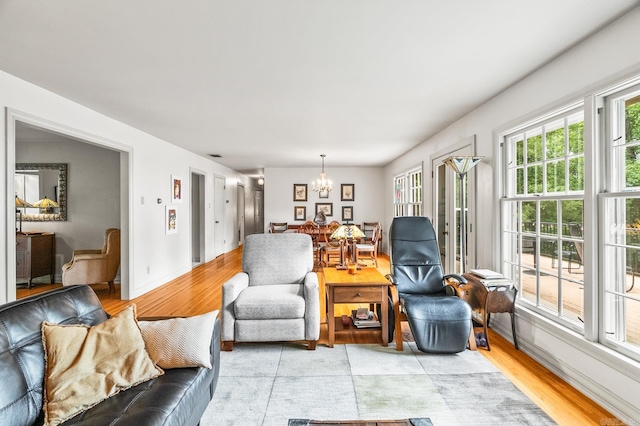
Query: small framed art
{"x":176,"y":189}
{"x":347,"y":213}
{"x":299,"y":213}
{"x":323,"y":194}
{"x":171,"y":220}
{"x":299,"y":192}
{"x":347,"y":192}
{"x":326,"y":208}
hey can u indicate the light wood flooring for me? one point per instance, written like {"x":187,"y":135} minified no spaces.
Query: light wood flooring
{"x":200,"y":291}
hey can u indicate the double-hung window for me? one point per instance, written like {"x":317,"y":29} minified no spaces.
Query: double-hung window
{"x":620,"y":234}
{"x":542,"y":205}
{"x":407,"y":199}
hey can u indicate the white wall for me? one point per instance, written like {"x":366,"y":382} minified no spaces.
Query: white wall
{"x":369,"y":198}
{"x":152,"y":257}
{"x":611,"y":380}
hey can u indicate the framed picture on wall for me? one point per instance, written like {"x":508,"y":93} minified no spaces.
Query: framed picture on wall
{"x":299,"y":192}
{"x":326,"y":208}
{"x":347,"y":213}
{"x":171,"y":220}
{"x":323,"y":194}
{"x":176,"y":189}
{"x":299,"y":213}
{"x":347,"y":192}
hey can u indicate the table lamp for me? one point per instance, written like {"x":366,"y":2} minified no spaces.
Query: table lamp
{"x":21,"y":204}
{"x":352,"y":233}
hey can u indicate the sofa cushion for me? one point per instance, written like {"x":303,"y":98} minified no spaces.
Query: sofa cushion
{"x":276,"y":301}
{"x":180,"y":342}
{"x":85,"y":365}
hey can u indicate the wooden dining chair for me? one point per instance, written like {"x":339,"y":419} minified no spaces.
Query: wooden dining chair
{"x":333,"y":248}
{"x":277,"y":227}
{"x":313,"y":230}
{"x":369,"y":249}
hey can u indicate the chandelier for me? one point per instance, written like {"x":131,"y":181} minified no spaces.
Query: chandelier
{"x":322,"y":184}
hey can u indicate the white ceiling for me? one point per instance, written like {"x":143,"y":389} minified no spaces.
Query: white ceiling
{"x":276,"y":83}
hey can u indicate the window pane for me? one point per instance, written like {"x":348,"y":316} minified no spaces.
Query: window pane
{"x":519,"y":144}
{"x":549,"y":217}
{"x":572,"y":300}
{"x":576,"y":136}
{"x":632,"y":120}
{"x":572,"y":218}
{"x":534,"y":147}
{"x":520,"y":181}
{"x":534,"y":179}
{"x":555,"y":176}
{"x":529,"y":216}
{"x":576,"y":174}
{"x":555,"y":140}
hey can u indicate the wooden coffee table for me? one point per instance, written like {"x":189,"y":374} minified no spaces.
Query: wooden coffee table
{"x":368,"y":285}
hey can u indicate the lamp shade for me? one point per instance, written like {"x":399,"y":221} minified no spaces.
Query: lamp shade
{"x":45,"y":203}
{"x":20,"y":203}
{"x":462,"y":164}
{"x":347,"y":232}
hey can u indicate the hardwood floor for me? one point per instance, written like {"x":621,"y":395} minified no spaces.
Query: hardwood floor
{"x":200,"y":291}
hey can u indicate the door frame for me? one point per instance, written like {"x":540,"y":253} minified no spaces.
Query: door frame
{"x":126,"y":188}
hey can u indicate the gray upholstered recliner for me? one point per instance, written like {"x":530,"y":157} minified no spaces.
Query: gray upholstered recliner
{"x":276,"y":296}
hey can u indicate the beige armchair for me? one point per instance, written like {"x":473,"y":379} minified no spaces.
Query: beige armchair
{"x":95,"y":266}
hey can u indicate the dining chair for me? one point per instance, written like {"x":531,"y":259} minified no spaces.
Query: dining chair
{"x":277,"y":227}
{"x":313,"y":230}
{"x":369,"y":249}
{"x":332,"y":247}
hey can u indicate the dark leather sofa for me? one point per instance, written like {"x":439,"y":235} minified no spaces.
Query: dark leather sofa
{"x":179,"y":397}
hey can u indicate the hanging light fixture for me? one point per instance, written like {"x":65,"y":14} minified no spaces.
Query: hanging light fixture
{"x":322,"y":184}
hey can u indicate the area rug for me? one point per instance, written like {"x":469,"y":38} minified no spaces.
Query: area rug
{"x":405,"y":422}
{"x":268,"y":384}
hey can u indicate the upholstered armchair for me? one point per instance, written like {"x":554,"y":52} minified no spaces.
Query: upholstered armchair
{"x":276,"y":296}
{"x":95,"y":266}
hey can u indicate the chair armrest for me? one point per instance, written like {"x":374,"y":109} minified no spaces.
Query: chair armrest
{"x":230,"y":291}
{"x":459,"y":278}
{"x":391,"y":278}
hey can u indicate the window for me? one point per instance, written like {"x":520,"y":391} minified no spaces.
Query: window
{"x":620,"y":207}
{"x":408,"y":194}
{"x":543,"y":207}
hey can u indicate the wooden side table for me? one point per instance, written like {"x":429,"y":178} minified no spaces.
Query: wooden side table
{"x":489,"y":300}
{"x":35,"y":256}
{"x":368,"y":285}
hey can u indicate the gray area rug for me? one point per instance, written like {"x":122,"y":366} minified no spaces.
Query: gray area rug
{"x":268,"y":384}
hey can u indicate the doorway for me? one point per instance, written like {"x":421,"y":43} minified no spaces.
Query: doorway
{"x":33,"y":140}
{"x":241,"y":214}
{"x":218,"y":216}
{"x":197,"y":218}
{"x":446,"y":208}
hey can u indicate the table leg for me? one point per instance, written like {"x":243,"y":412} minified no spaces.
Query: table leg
{"x":384,"y":309}
{"x":331,"y":321}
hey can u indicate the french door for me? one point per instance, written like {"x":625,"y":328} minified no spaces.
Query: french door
{"x":446,"y":211}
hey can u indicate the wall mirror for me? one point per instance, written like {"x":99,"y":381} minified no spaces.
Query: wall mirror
{"x":34,"y":182}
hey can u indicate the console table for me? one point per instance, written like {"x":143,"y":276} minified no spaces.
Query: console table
{"x":488,"y":300}
{"x":35,"y":256}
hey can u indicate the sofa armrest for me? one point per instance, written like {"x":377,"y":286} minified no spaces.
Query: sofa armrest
{"x":312,"y":302}
{"x":230,"y":291}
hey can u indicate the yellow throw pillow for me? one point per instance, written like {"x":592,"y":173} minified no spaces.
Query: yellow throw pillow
{"x":180,"y":342}
{"x":86,"y":365}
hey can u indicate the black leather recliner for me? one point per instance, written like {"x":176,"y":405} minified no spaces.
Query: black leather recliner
{"x":440,"y":321}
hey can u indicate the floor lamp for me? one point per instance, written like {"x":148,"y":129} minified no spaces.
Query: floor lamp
{"x":461,"y":165}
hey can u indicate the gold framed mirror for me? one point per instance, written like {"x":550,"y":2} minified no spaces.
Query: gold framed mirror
{"x":34,"y":182}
